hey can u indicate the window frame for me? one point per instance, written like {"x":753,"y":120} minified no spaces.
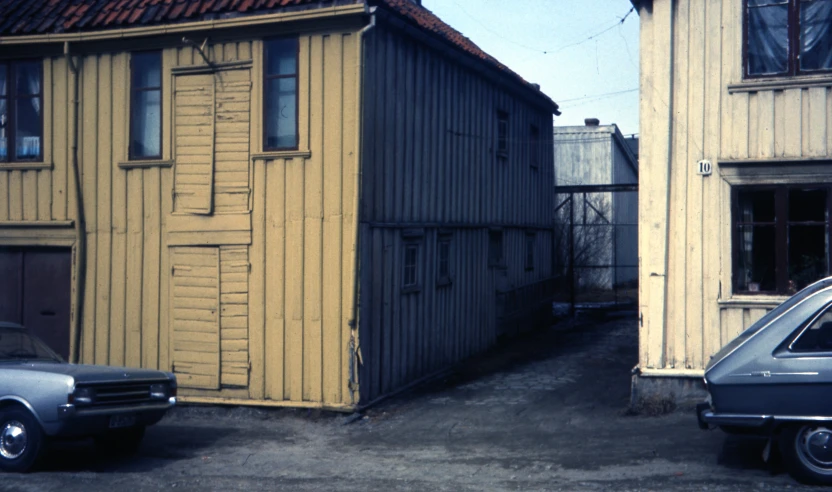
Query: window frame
{"x":502,"y":134}
{"x":793,"y":68}
{"x":11,"y":99}
{"x":266,"y":93}
{"x":133,"y":92}
{"x":443,"y":278}
{"x":781,"y":226}
{"x":501,"y":261}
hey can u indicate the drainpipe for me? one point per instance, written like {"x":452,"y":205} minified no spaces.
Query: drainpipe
{"x":80,"y":223}
{"x":355,"y":344}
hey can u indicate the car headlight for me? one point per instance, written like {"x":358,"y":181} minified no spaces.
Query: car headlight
{"x":159,"y":391}
{"x":82,"y":396}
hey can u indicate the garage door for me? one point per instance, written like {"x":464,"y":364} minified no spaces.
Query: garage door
{"x":35,"y":286}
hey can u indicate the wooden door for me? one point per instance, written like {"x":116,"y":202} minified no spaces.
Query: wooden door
{"x":35,"y":291}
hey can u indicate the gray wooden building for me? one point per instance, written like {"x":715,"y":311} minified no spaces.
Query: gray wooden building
{"x":456,"y":202}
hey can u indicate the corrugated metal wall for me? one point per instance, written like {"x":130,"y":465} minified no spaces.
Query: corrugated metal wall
{"x":430,"y":168}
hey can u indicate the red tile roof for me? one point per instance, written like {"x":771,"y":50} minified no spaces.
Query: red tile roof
{"x":32,"y":17}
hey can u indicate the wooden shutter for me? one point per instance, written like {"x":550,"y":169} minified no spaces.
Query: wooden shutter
{"x":194,"y":102}
{"x":196,"y":316}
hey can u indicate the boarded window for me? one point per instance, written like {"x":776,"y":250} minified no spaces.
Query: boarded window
{"x":196,"y":316}
{"x":788,"y":37}
{"x":231,"y":141}
{"x":280,"y":117}
{"x":146,"y":105}
{"x":21,"y":111}
{"x":194,"y":168}
{"x":234,"y":316}
{"x":781,"y":237}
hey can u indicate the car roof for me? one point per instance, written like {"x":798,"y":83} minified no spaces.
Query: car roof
{"x":9,"y":324}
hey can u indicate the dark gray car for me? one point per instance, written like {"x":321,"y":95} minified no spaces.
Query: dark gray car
{"x":42,"y":397}
{"x":775,"y":380}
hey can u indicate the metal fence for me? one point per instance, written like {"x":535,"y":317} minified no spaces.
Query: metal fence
{"x":596,"y":244}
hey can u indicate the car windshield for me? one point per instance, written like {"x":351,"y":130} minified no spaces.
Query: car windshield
{"x":17,"y":344}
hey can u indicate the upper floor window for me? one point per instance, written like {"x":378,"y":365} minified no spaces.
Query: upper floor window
{"x":534,"y":146}
{"x":21,"y":111}
{"x":146,"y":105}
{"x":781,"y":237}
{"x":495,"y":248}
{"x":530,"y":246}
{"x":280,"y":118}
{"x":787,"y":37}
{"x":502,"y":134}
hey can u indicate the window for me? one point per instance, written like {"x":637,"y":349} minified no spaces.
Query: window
{"x":146,"y":105}
{"x":21,"y":111}
{"x":495,"y":248}
{"x":411,"y":264}
{"x":781,"y":237}
{"x":816,"y":335}
{"x":502,"y":134}
{"x":280,"y":118}
{"x":534,"y":147}
{"x":787,"y":37}
{"x":443,"y":260}
{"x":530,"y":240}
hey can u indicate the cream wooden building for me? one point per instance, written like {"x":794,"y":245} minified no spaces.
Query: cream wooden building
{"x":734,"y":184}
{"x":297,"y":203}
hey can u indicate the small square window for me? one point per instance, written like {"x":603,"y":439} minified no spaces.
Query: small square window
{"x":495,"y":249}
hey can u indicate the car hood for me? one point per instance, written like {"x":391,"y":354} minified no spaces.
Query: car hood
{"x":86,"y":373}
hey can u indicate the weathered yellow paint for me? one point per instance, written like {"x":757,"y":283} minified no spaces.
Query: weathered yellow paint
{"x":695,"y":105}
{"x":266,"y":319}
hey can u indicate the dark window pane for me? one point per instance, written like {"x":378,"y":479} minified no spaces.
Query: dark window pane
{"x":756,"y":259}
{"x":410,"y":261}
{"x":4,"y":130}
{"x":756,"y":206}
{"x":807,"y":205}
{"x":145,"y":125}
{"x":281,"y":113}
{"x":28,"y":128}
{"x":146,"y":70}
{"x":816,"y":35}
{"x":502,"y":132}
{"x":768,"y":37}
{"x":495,"y":247}
{"x":808,"y":253}
{"x":28,"y":78}
{"x":817,"y":337}
{"x":281,"y":57}
{"x":444,"y":259}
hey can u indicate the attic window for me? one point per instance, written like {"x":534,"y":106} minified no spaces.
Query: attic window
{"x":146,"y":105}
{"x":280,"y":117}
{"x":787,"y":37}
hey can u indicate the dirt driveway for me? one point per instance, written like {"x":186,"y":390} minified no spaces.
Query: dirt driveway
{"x":543,"y":413}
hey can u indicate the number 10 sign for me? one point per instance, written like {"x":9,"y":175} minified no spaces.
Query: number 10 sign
{"x":704,"y":168}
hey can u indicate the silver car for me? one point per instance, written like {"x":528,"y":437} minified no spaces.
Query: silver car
{"x":42,"y":397}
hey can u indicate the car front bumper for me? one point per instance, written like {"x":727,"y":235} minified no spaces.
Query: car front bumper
{"x":74,"y":421}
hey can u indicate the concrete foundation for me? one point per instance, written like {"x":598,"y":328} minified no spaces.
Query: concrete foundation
{"x":655,"y":393}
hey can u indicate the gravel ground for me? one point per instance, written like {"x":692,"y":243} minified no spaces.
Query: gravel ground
{"x":544,"y":412}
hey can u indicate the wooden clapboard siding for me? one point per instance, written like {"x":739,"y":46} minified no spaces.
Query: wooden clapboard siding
{"x":195,"y":316}
{"x":234,"y":273}
{"x":194,"y":101}
{"x":695,"y":105}
{"x":428,"y":166}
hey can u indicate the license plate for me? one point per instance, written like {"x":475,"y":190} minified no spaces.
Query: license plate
{"x":117,"y":421}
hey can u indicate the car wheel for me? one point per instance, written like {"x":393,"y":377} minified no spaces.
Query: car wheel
{"x":21,"y":439}
{"x":807,"y":452}
{"x":120,"y":442}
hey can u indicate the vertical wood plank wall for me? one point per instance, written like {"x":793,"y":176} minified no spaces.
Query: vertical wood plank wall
{"x":429,"y":167}
{"x":702,"y":111}
{"x":283,"y":228}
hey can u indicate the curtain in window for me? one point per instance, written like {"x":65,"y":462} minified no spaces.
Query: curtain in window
{"x":816,"y":34}
{"x":768,"y":36}
{"x":28,"y":110}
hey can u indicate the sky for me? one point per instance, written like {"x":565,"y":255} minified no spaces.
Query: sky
{"x":579,"y":51}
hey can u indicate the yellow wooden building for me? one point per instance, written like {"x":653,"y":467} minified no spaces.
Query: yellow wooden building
{"x":736,"y":173}
{"x":285,"y":202}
